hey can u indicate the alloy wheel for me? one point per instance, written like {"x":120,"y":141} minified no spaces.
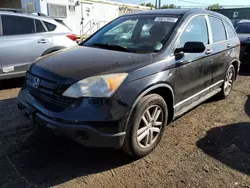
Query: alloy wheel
{"x":229,"y":81}
{"x":150,"y":126}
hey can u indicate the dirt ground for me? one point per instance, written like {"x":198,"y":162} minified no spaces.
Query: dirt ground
{"x":207,"y":147}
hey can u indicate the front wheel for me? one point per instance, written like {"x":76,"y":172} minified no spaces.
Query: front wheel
{"x":228,"y":82}
{"x":146,"y":126}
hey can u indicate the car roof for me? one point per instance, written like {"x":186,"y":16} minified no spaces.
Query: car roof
{"x":244,"y":21}
{"x":176,"y":12}
{"x":28,"y":15}
{"x":162,"y":11}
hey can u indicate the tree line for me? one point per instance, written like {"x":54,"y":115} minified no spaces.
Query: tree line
{"x":169,"y":6}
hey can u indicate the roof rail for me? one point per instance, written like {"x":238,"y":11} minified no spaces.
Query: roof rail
{"x":22,"y":11}
{"x":15,"y":10}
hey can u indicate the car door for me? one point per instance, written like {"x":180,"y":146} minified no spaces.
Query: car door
{"x":221,"y":49}
{"x":20,"y":43}
{"x":194,"y":70}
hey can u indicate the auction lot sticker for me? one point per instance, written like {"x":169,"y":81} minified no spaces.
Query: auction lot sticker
{"x":165,"y":19}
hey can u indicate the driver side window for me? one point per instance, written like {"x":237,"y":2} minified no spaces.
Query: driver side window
{"x":195,"y":31}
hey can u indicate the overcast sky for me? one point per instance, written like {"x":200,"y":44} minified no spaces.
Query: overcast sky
{"x":196,"y":2}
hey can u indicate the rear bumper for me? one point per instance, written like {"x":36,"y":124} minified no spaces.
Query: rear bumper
{"x":83,"y":133}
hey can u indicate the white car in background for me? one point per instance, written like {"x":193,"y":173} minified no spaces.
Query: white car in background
{"x":25,"y":36}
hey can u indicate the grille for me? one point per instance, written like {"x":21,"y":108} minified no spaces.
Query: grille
{"x":48,"y":93}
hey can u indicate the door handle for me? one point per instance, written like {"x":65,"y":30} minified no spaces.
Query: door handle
{"x":42,"y":41}
{"x":229,"y":45}
{"x":208,"y":51}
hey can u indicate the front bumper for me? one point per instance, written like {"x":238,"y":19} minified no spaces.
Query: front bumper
{"x":106,"y":133}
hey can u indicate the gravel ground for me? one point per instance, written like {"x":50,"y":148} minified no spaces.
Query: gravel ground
{"x":207,"y":147}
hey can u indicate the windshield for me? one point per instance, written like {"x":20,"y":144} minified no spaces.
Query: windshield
{"x":136,"y":34}
{"x":243,"y":27}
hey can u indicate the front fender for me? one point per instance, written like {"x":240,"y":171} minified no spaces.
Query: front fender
{"x":130,"y":93}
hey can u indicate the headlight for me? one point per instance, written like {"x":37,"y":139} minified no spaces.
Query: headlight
{"x":96,"y":86}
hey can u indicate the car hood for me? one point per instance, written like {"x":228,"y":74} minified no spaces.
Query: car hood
{"x":76,"y":63}
{"x":244,"y":37}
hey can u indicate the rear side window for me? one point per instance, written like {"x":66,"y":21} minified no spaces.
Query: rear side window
{"x":230,"y":30}
{"x":195,"y":31}
{"x":50,"y":26}
{"x":17,"y":25}
{"x":39,"y":27}
{"x":218,"y":29}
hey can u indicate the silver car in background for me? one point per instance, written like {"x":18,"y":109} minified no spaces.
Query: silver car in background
{"x":25,"y":36}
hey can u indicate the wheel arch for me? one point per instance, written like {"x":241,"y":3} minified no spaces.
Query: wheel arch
{"x":52,"y":50}
{"x":236,"y":64}
{"x":165,"y":91}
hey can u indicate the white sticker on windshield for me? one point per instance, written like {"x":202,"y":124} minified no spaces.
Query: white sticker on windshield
{"x":165,"y":19}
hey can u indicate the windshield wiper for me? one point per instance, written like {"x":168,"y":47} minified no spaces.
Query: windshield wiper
{"x":112,"y":47}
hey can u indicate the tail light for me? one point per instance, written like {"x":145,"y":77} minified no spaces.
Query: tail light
{"x":72,"y":37}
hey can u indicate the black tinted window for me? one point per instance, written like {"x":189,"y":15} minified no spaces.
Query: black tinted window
{"x":218,"y":29}
{"x":50,"y":27}
{"x":39,"y":27}
{"x":195,"y":31}
{"x":230,"y":30}
{"x":16,"y":25}
{"x":243,"y":27}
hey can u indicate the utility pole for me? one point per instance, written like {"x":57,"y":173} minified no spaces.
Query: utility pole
{"x":159,"y":4}
{"x":156,"y":4}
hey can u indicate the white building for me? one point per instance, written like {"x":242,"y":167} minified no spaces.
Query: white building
{"x":83,"y":17}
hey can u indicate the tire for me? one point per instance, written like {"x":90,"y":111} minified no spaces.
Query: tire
{"x":134,"y":145}
{"x":228,"y":80}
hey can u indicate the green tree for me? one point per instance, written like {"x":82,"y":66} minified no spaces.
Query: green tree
{"x":169,"y":6}
{"x":147,"y":5}
{"x":214,"y":6}
{"x":150,"y":5}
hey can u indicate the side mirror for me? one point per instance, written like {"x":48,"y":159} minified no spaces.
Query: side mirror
{"x":194,"y":47}
{"x":189,"y":47}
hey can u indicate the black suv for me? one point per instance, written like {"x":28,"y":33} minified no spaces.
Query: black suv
{"x":120,"y":89}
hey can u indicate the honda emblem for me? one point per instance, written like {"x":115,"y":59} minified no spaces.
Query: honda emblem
{"x":36,"y":82}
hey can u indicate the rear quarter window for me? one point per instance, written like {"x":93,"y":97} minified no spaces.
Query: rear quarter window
{"x":50,"y":26}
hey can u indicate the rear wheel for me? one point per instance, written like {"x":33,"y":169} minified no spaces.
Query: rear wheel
{"x":228,"y":82}
{"x":146,"y":126}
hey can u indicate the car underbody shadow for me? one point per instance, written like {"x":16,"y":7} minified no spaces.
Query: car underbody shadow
{"x":46,"y":159}
{"x":230,"y":144}
{"x":245,"y":69}
{"x":11,"y":83}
